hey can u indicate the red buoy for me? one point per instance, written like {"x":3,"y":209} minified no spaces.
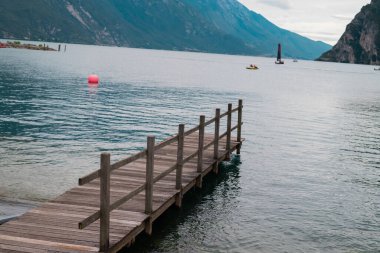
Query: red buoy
{"x":93,"y":79}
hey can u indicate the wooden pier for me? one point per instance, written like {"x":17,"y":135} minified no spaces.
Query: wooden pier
{"x":114,"y":204}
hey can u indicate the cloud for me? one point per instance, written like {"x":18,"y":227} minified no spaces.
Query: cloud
{"x":282,"y":4}
{"x":342,"y":17}
{"x":309,"y":18}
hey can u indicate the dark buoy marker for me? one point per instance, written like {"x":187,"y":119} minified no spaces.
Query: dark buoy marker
{"x":93,"y":80}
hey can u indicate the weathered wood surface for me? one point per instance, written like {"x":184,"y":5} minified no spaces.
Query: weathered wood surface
{"x":53,"y":227}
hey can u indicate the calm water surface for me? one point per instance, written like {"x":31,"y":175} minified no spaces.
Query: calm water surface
{"x":308,"y":178}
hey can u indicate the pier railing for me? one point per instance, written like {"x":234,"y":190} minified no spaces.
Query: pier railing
{"x":106,"y":168}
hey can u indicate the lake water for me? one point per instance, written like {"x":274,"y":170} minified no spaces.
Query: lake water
{"x":307,"y":180}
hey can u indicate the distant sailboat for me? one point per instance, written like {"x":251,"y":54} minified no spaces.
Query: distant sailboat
{"x":279,"y":61}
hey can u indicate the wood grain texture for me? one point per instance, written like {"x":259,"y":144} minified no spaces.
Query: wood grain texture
{"x":53,"y":226}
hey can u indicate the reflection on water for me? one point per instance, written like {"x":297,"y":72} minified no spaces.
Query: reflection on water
{"x":203,"y":211}
{"x":307,"y":180}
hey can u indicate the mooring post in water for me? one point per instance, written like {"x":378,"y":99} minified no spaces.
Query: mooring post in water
{"x":228,"y":139}
{"x":59,"y":47}
{"x":240,"y":111}
{"x":178,"y":181}
{"x":201,"y":137}
{"x":149,"y":182}
{"x":216,"y":140}
{"x":105,"y":161}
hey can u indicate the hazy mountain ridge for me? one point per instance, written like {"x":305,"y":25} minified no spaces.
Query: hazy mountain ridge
{"x":360,"y":43}
{"x":217,"y":26}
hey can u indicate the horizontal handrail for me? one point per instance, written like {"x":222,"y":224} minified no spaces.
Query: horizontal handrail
{"x":96,"y":215}
{"x":236,"y":109}
{"x":235,"y":127}
{"x":165,"y":143}
{"x":210,"y":121}
{"x":192,"y":130}
{"x":226,"y":132}
{"x":94,"y":175}
{"x":220,"y":137}
{"x":190,"y":157}
{"x":223,"y":115}
{"x":232,"y":111}
{"x":208,"y":145}
{"x":165,"y":173}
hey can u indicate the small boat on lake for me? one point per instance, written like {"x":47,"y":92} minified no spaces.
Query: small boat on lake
{"x":279,"y":60}
{"x":252,"y":67}
{"x":377,"y":69}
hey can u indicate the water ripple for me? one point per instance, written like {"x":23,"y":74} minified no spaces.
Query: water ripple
{"x":308,"y":176}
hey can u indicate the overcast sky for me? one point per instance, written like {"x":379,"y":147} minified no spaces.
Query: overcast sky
{"x":323,"y":20}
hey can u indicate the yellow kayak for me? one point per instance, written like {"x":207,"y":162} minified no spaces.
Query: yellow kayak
{"x":252,"y":68}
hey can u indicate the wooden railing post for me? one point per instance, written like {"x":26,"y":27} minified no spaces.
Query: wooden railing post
{"x":240,"y":112}
{"x":178,"y":181}
{"x":228,"y":139}
{"x":200,"y":149}
{"x":149,"y":182}
{"x":105,"y":166}
{"x":216,"y":139}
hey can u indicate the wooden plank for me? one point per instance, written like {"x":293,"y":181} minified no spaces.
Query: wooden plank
{"x":45,"y":235}
{"x":53,"y":225}
{"x":12,"y":248}
{"x":35,"y":247}
{"x":48,"y":243}
{"x":57,"y":230}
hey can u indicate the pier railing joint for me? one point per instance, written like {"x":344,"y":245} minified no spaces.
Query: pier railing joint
{"x":213,"y":150}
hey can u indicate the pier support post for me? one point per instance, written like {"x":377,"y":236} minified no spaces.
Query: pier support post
{"x":105,"y":166}
{"x":178,"y":181}
{"x":216,"y":141}
{"x":228,"y":138}
{"x":240,"y":112}
{"x":200,"y":149}
{"x":149,"y":183}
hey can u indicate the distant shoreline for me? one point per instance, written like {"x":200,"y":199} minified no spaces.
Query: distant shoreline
{"x":18,"y":44}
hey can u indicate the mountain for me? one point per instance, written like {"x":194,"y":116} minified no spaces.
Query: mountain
{"x":360,"y":43}
{"x":217,"y":26}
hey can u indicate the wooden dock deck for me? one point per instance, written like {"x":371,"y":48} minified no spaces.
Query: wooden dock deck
{"x":114,"y":204}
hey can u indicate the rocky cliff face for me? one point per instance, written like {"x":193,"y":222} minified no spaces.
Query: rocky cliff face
{"x":360,"y":43}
